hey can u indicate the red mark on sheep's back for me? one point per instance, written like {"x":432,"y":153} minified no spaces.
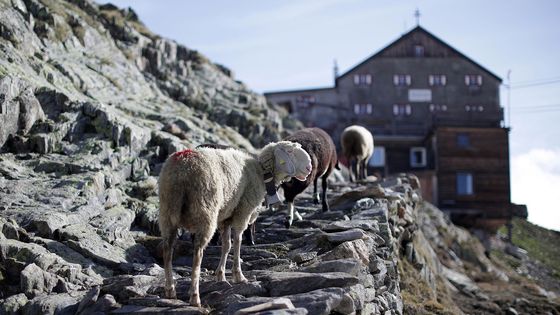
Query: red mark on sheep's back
{"x":183,"y":154}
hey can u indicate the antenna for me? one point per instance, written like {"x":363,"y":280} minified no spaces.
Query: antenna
{"x":417,"y":16}
{"x":509,"y":98}
{"x":335,"y":70}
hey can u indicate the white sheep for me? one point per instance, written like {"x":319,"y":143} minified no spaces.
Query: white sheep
{"x":357,"y":144}
{"x":205,"y":189}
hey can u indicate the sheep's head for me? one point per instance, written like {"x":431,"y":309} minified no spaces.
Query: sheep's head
{"x":291,"y":161}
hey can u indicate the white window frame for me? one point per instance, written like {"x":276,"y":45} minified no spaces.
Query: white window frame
{"x":473,"y":80}
{"x":413,"y":162}
{"x":378,"y":157}
{"x":402,"y":80}
{"x":402,"y":110}
{"x":363,"y":79}
{"x":437,"y":79}
{"x":362,"y":109}
{"x":369,"y":109}
{"x":438,"y":108}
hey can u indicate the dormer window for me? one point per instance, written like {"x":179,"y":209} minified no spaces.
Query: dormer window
{"x":418,"y":51}
{"x":402,"y":79}
{"x":437,"y":79}
{"x":473,"y":80}
{"x":362,"y":79}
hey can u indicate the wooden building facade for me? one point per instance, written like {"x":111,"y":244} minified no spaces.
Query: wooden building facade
{"x":433,"y":112}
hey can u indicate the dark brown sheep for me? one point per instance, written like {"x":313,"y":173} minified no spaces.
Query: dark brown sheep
{"x":320,"y":147}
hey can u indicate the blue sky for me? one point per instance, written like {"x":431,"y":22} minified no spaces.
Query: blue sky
{"x":277,"y":45}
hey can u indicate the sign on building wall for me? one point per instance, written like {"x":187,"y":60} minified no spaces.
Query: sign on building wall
{"x":419,"y":95}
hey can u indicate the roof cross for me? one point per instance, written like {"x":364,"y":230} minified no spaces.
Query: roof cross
{"x":417,"y":16}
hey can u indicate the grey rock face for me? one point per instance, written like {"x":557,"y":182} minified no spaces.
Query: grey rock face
{"x":282,"y":283}
{"x":13,"y":304}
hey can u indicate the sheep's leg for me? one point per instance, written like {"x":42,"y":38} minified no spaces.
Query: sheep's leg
{"x":315,"y":193}
{"x":249,"y":234}
{"x":364,"y":169}
{"x":195,"y":276}
{"x":324,"y":183}
{"x":236,"y":269}
{"x":169,"y":238}
{"x":226,"y":246}
{"x":358,"y":170}
{"x":291,"y":213}
{"x":200,"y":242}
{"x":350,"y":169}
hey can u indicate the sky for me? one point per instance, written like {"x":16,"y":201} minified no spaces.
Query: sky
{"x":291,"y":44}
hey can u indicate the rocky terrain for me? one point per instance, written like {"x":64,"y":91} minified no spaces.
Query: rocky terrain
{"x":91,"y":104}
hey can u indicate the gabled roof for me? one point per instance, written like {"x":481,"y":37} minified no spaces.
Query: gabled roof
{"x":408,"y":35}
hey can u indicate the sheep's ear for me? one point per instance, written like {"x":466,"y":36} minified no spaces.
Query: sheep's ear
{"x":283,"y":161}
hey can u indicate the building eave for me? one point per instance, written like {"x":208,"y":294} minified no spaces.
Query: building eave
{"x":298,"y":91}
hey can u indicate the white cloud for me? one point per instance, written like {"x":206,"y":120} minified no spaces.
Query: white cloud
{"x":535,"y":181}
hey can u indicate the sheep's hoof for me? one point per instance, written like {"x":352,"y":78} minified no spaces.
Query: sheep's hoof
{"x":287,"y":222}
{"x":195,"y":300}
{"x":170,"y":293}
{"x":248,"y":238}
{"x":239,"y":278}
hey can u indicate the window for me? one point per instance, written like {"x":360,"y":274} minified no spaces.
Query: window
{"x":437,"y":79}
{"x":438,"y":108}
{"x":402,"y":79}
{"x":402,"y":110}
{"x":474,"y":108}
{"x":473,"y":80}
{"x":463,"y":140}
{"x":378,"y":157}
{"x":363,"y":109}
{"x":362,"y":79}
{"x":305,"y":100}
{"x":464,"y":184}
{"x":418,"y":51}
{"x":417,"y":157}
